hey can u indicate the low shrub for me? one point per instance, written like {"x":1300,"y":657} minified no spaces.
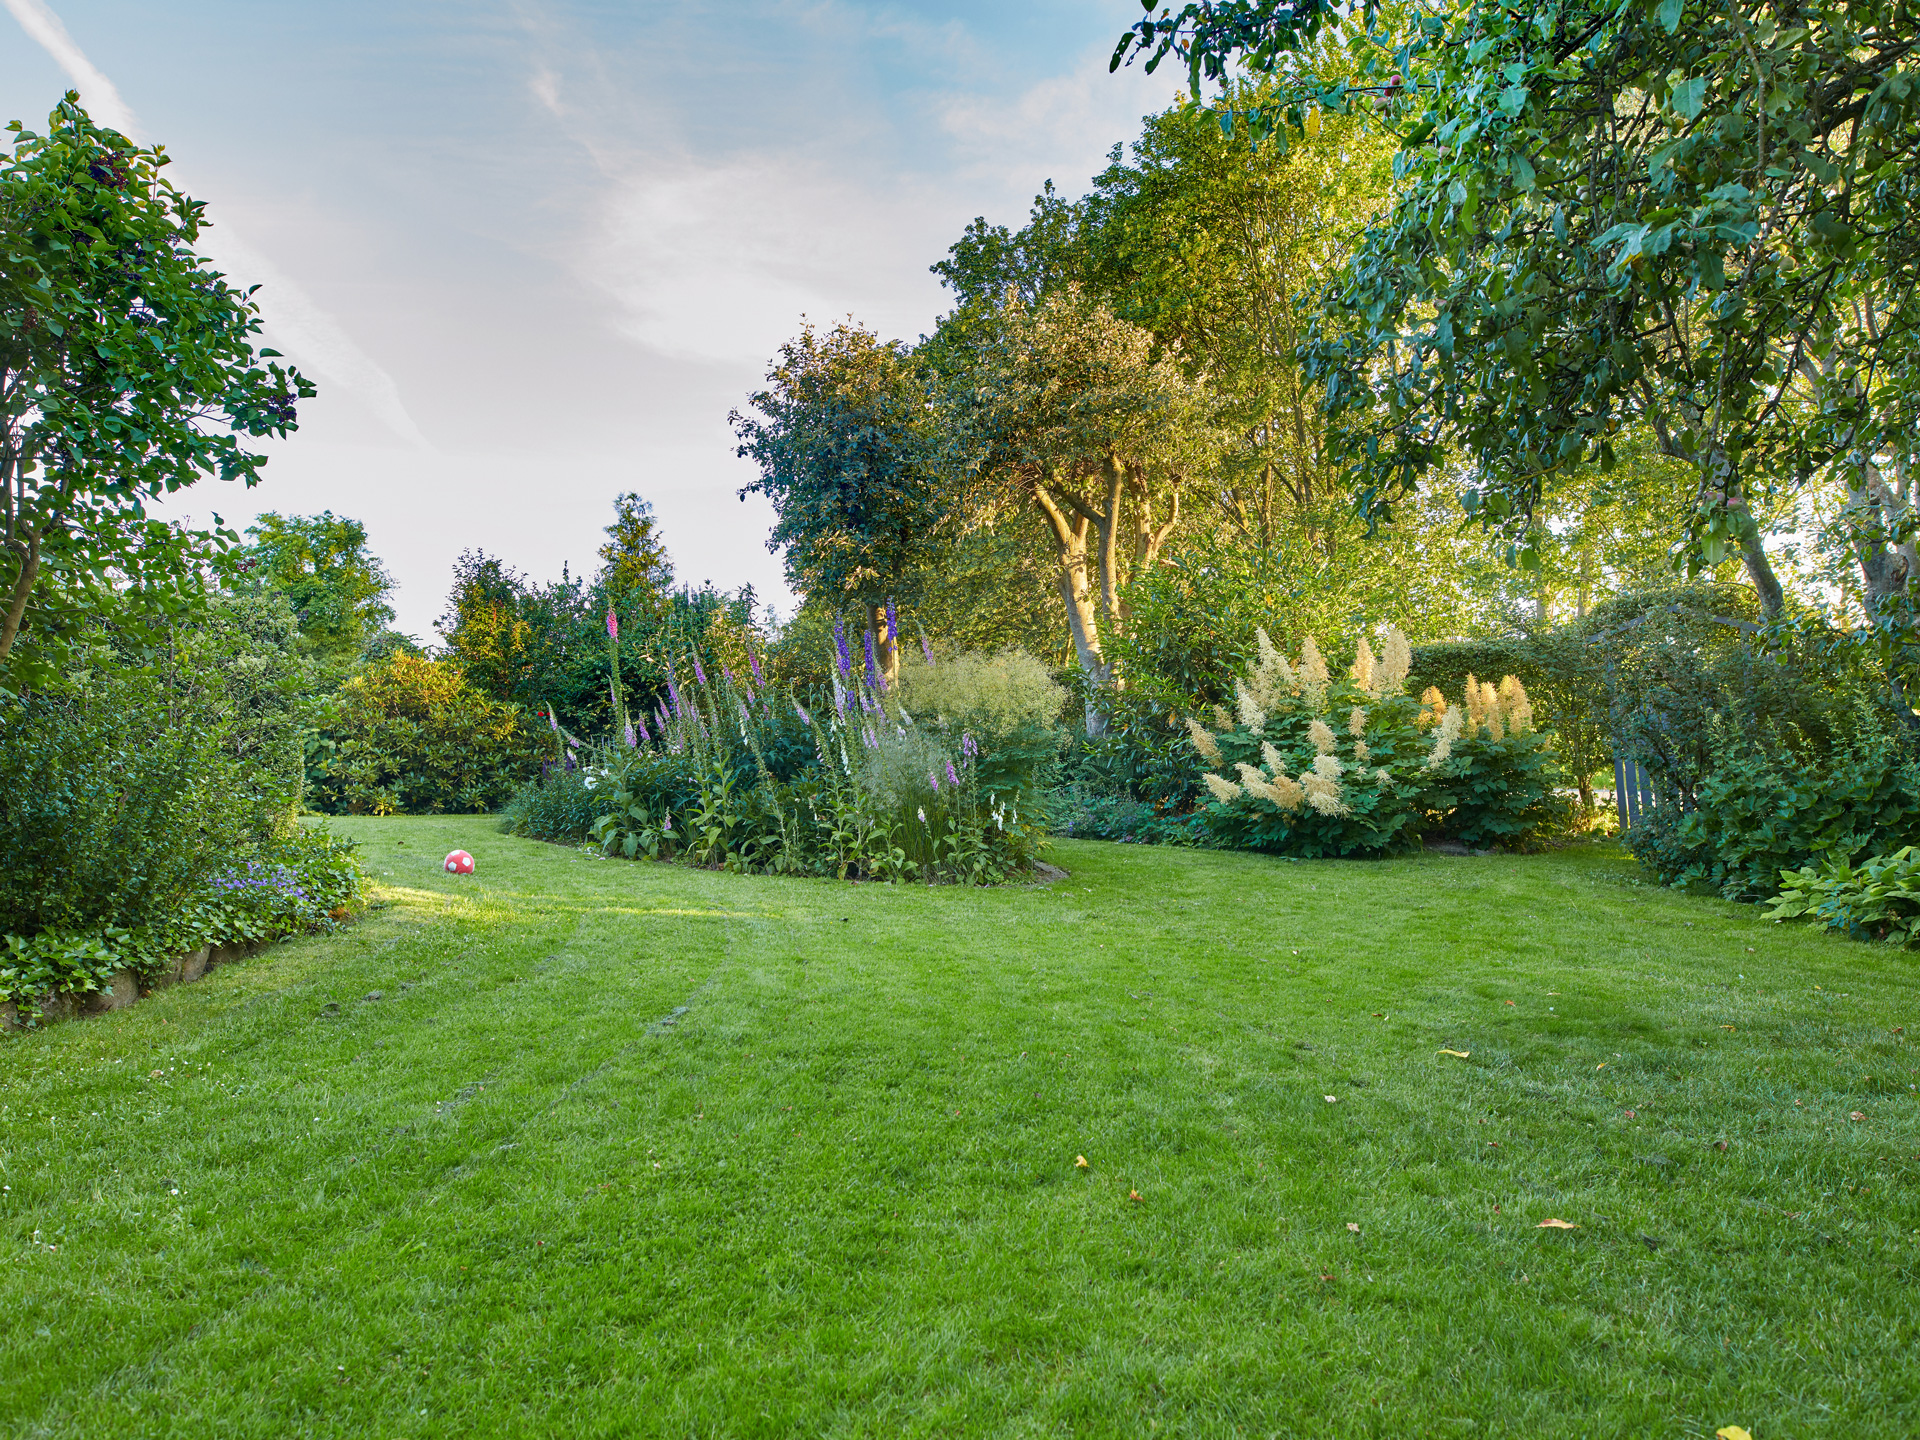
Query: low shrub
{"x":561,"y":804}
{"x":886,"y":793}
{"x":1767,"y":806}
{"x":411,"y":736}
{"x":304,"y":880}
{"x":1878,"y":899}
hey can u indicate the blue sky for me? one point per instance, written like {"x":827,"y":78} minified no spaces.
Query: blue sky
{"x":534,"y":253}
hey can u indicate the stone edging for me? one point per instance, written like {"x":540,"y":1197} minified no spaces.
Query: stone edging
{"x":126,"y":987}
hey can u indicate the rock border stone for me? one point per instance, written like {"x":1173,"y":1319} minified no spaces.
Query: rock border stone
{"x":126,"y":988}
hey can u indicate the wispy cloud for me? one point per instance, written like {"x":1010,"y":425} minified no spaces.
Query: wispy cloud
{"x":295,"y":321}
{"x":716,"y":257}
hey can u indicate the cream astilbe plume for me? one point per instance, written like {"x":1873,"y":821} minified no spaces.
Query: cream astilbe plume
{"x":1208,"y":747}
{"x":1476,"y":707}
{"x":1328,"y":767}
{"x":1363,"y":665}
{"x":1323,"y":794}
{"x":1221,"y":718}
{"x":1271,"y":758}
{"x":1360,"y":752}
{"x":1515,"y":705}
{"x":1251,"y":715}
{"x":1432,"y":705}
{"x":1250,"y":776}
{"x":1357,"y":720}
{"x":1383,"y":776}
{"x":1322,"y":736}
{"x":1443,"y":738}
{"x":1225,"y":791}
{"x":1313,"y":673}
{"x":1490,"y":711}
{"x":1286,"y":793}
{"x":1390,"y":676}
{"x":1273,"y":678}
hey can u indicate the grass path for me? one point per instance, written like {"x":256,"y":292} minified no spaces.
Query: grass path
{"x":590,"y":1148}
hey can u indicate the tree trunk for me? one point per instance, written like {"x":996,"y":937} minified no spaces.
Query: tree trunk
{"x":886,"y":645}
{"x":1076,"y":590}
{"x":28,"y":552}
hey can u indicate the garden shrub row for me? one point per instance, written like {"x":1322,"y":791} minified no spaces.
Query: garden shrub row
{"x":147,"y":805}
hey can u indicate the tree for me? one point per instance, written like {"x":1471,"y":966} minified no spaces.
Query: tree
{"x":1690,"y":215}
{"x":128,"y":371}
{"x":1067,"y":408}
{"x":635,"y":569}
{"x":850,"y":454}
{"x":1221,"y":246}
{"x":337,"y":587}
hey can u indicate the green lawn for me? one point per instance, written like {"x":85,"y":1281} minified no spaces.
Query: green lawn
{"x":585,"y":1147}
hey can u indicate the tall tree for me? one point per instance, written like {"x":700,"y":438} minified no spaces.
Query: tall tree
{"x":336,"y":585}
{"x":1069,"y":409}
{"x":128,"y":371}
{"x":851,"y":456}
{"x":635,"y":568}
{"x":1221,"y":245}
{"x":1695,"y":215}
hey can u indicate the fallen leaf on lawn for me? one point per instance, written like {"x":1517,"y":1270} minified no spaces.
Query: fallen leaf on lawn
{"x":1732,"y":1432}
{"x":1457,"y":1054}
{"x":1333,"y":1099}
{"x":1509,"y":1002}
{"x":1726,"y":1027}
{"x":1080,"y":1163}
{"x":1630,"y":1115}
{"x":1378,"y":1015}
{"x":1601,"y":1066}
{"x":1556,"y":1225}
{"x":1856,"y":1115}
{"x":1133,"y":1194}
{"x":1353,"y":1227}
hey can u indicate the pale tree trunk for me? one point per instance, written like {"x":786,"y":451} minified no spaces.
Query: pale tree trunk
{"x":886,"y":644}
{"x":1070,"y":535}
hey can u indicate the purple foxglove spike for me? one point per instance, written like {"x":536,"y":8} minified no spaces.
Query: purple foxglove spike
{"x":952,"y":779}
{"x":632,"y":739}
{"x":613,"y":624}
{"x":753,"y":664}
{"x":800,"y":710}
{"x":933,"y":780}
{"x":641,"y":721}
{"x":698,"y":673}
{"x":926,"y":647}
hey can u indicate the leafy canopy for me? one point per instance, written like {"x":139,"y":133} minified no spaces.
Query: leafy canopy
{"x":1698,"y":216}
{"x":128,"y":371}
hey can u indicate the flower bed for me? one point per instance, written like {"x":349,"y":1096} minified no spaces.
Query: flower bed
{"x":308,"y":881}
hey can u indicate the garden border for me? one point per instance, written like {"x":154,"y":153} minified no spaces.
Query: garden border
{"x":126,"y":988}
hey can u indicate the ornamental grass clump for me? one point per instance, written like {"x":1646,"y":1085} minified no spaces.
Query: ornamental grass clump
{"x":1404,"y":768}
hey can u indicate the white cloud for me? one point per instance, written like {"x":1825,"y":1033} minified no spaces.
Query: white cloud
{"x":294,"y":319}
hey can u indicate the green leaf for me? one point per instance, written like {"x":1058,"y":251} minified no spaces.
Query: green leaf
{"x":1669,"y":13}
{"x":1688,"y":96}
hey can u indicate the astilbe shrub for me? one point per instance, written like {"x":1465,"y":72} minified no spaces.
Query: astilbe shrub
{"x":1352,"y":765}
